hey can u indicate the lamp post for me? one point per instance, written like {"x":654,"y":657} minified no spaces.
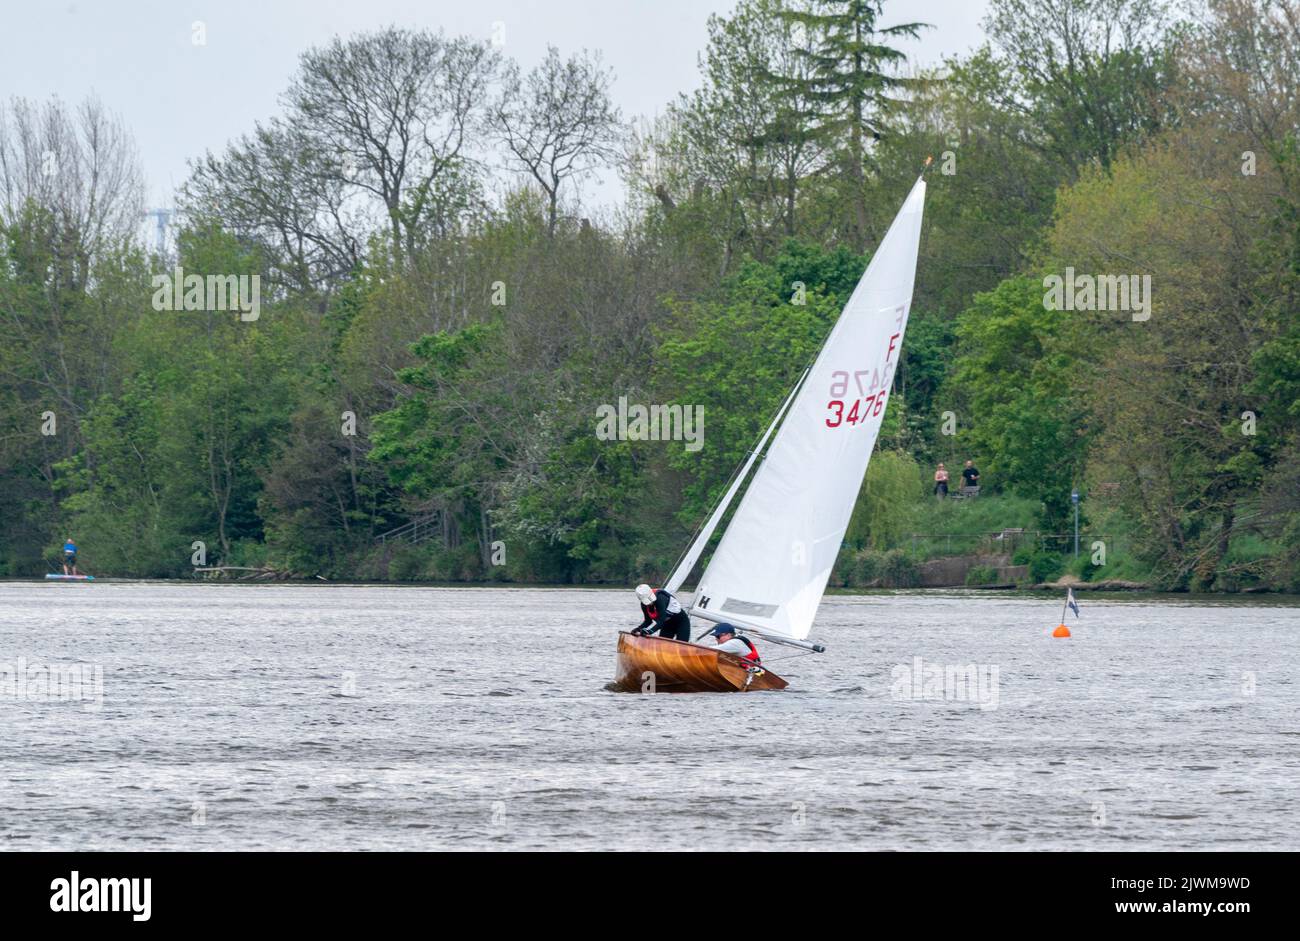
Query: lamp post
{"x":1074,"y":498}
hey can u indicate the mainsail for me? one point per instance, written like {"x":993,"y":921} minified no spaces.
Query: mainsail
{"x":771,"y":567}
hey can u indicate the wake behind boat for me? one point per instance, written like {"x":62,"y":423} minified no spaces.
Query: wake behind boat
{"x":770,"y":569}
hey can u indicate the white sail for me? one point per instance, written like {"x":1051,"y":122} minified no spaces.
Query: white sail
{"x":693,"y":553}
{"x":771,"y":567}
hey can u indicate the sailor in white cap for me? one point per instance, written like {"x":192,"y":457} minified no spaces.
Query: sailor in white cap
{"x":662,"y":613}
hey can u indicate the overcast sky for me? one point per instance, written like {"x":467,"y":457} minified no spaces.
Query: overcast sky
{"x":180,"y":99}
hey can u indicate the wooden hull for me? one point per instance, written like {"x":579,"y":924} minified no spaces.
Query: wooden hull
{"x":679,"y":667}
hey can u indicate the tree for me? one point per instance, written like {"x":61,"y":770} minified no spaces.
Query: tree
{"x":278,"y":187}
{"x":989,"y":195}
{"x":558,"y":122}
{"x":1168,"y":391}
{"x":70,"y":276}
{"x":738,"y":356}
{"x":1018,"y":411}
{"x":739,"y":144}
{"x":377,"y":132}
{"x":890,"y":489}
{"x":1091,"y":74}
{"x":851,"y":84}
{"x":81,"y":167}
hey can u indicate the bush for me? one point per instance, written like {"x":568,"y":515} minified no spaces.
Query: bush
{"x":842,"y":575}
{"x":865,"y":571}
{"x":406,"y":564}
{"x":872,"y":569}
{"x":982,"y":575}
{"x":900,"y":570}
{"x":1247,"y":563}
{"x":461,"y":564}
{"x":1044,"y":566}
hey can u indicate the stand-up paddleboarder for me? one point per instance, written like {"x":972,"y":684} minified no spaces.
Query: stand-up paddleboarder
{"x":70,"y":557}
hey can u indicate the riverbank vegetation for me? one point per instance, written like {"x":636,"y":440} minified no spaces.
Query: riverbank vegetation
{"x":442,"y":314}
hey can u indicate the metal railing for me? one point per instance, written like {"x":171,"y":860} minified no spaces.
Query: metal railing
{"x":1005,"y":540}
{"x":415,"y":532}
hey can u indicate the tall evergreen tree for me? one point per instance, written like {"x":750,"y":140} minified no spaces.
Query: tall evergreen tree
{"x":851,"y":81}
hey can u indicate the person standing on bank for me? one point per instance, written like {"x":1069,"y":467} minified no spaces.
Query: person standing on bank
{"x":662,"y":613}
{"x":941,"y":481}
{"x":971,"y":475}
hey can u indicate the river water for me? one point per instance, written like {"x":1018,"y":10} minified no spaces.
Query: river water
{"x":377,"y":717}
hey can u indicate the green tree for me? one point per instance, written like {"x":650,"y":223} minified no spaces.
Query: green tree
{"x":1019,"y":416}
{"x":892,"y":487}
{"x":738,"y":357}
{"x":1092,"y":75}
{"x":851,"y":84}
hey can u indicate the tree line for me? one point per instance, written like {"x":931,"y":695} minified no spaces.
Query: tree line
{"x":443,"y":315}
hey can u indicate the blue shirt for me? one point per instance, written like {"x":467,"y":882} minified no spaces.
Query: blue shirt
{"x":70,"y":548}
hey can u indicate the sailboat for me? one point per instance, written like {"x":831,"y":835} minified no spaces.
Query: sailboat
{"x":770,"y":569}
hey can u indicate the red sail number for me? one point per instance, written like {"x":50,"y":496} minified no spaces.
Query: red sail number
{"x":861,"y":410}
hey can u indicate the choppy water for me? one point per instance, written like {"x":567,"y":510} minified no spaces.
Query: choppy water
{"x":304,"y":717}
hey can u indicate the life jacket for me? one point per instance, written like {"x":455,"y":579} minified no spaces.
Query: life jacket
{"x":752,"y":656}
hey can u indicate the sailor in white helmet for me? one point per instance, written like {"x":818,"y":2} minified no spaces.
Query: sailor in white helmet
{"x":662,"y":614}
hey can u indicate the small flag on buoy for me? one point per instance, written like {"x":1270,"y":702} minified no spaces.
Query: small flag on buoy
{"x":1061,"y":629}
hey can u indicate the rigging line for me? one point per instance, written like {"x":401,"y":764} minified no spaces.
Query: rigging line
{"x":789,"y":656}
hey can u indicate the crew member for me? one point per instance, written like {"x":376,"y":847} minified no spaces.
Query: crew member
{"x":662,"y":613}
{"x":726,"y":639}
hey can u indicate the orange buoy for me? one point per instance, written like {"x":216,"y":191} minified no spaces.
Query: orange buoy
{"x":1061,"y":631}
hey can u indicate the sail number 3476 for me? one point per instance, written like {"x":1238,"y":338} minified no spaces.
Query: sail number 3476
{"x":860,"y":409}
{"x":871,"y":386}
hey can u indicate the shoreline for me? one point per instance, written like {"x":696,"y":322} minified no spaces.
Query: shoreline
{"x":1127,"y":590}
